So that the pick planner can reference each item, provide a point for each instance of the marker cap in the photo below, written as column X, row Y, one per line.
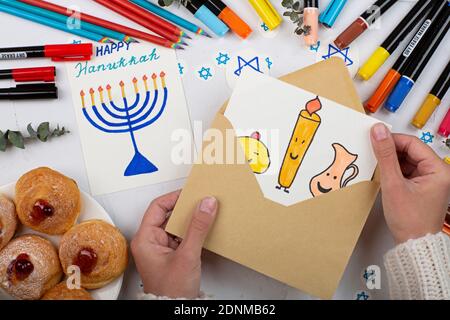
column 426, row 110
column 235, row 23
column 69, row 52
column 329, row 16
column 444, row 128
column 209, row 19
column 383, row 91
column 399, row 94
column 267, row 13
column 351, row 33
column 46, row 74
column 374, row 63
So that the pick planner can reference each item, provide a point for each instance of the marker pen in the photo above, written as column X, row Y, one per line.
column 30, row 91
column 45, row 74
column 57, row 52
column 328, row 17
column 433, row 99
column 231, row 19
column 419, row 61
column 392, row 42
column 267, row 13
column 444, row 128
column 202, row 13
column 394, row 74
column 311, row 20
column 363, row 23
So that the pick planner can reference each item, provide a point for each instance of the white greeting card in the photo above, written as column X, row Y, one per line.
column 298, row 144
column 128, row 101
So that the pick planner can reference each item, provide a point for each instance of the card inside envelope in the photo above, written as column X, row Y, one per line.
column 306, row 245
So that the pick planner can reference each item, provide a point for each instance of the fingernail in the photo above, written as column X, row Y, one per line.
column 380, row 132
column 208, row 205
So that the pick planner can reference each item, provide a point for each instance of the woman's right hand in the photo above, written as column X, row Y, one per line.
column 415, row 184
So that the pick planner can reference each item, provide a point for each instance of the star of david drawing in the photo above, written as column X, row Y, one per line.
column 242, row 63
column 264, row 26
column 427, row 137
column 362, row 296
column 205, row 73
column 269, row 63
column 333, row 51
column 315, row 48
column 223, row 58
column 369, row 276
column 180, row 68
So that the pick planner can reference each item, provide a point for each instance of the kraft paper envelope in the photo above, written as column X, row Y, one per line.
column 306, row 245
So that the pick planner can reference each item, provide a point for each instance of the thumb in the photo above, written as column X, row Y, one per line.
column 386, row 153
column 202, row 221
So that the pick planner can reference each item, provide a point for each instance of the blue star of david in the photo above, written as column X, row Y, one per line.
column 180, row 68
column 369, row 275
column 315, row 48
column 427, row 137
column 362, row 296
column 242, row 63
column 205, row 73
column 337, row 51
column 223, row 58
column 264, row 26
column 269, row 63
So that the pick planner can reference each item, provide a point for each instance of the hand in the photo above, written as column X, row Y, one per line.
column 415, row 184
column 167, row 267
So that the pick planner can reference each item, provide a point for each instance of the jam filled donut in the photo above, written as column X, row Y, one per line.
column 98, row 249
column 29, row 266
column 47, row 201
column 8, row 221
column 62, row 292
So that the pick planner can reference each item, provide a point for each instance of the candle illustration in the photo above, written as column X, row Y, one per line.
column 304, row 132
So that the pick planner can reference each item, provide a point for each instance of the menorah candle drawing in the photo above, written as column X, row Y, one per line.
column 127, row 118
column 304, row 132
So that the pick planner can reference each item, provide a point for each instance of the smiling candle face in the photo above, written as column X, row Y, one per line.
column 307, row 124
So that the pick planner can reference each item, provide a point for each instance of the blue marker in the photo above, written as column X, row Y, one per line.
column 201, row 12
column 419, row 60
column 329, row 16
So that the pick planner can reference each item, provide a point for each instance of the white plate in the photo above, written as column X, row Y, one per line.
column 90, row 209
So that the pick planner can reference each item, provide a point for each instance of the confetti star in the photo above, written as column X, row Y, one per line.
column 223, row 58
column 369, row 275
column 427, row 137
column 269, row 63
column 252, row 63
column 76, row 41
column 264, row 26
column 333, row 51
column 315, row 48
column 362, row 296
column 205, row 73
column 180, row 68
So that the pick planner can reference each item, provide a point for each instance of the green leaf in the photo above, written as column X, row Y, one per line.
column 296, row 6
column 294, row 16
column 43, row 131
column 16, row 139
column 33, row 134
column 287, row 14
column 287, row 3
column 3, row 142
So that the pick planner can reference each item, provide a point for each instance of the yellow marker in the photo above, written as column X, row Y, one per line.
column 307, row 124
column 374, row 63
column 426, row 110
column 447, row 160
column 256, row 153
column 267, row 13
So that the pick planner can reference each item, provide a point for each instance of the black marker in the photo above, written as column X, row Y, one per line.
column 30, row 91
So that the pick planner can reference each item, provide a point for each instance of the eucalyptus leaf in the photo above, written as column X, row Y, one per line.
column 287, row 3
column 16, row 139
column 3, row 141
column 43, row 131
column 296, row 6
column 33, row 134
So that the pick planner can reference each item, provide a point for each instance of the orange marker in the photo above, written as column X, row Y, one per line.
column 384, row 89
column 230, row 18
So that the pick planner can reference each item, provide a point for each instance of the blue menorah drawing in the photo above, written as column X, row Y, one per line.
column 126, row 120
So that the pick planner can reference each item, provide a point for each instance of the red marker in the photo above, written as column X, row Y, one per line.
column 57, row 52
column 45, row 74
column 444, row 128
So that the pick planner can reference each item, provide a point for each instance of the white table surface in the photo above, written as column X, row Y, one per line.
column 223, row 278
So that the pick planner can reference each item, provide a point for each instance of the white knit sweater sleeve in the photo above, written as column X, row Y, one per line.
column 420, row 269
